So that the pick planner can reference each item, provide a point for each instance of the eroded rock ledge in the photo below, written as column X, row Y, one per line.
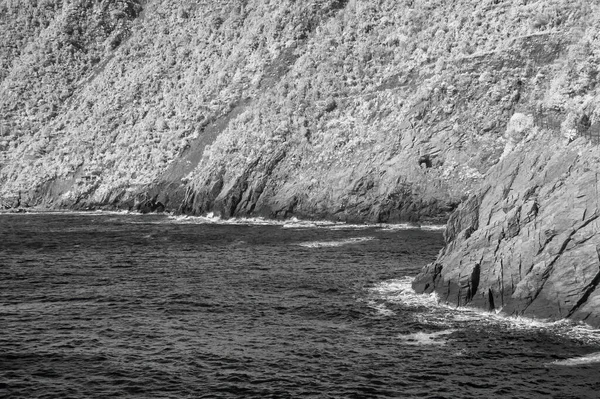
column 528, row 243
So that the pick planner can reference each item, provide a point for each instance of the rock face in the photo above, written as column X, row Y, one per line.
column 528, row 243
column 326, row 109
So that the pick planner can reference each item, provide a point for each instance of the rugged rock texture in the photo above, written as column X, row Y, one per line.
column 528, row 243
column 347, row 110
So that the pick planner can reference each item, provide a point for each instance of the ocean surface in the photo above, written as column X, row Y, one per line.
column 107, row 305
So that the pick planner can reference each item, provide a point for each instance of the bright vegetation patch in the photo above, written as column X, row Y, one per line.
column 337, row 100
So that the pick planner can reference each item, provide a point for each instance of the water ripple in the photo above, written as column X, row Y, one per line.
column 115, row 305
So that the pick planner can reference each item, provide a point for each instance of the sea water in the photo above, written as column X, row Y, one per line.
column 97, row 305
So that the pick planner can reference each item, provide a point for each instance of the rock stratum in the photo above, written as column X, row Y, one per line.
column 348, row 110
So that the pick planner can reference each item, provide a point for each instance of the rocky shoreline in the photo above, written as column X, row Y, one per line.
column 482, row 113
column 528, row 243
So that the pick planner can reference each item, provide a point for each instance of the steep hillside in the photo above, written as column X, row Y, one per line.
column 352, row 110
column 527, row 241
column 373, row 92
column 97, row 133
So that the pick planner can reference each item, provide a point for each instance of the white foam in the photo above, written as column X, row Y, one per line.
column 564, row 328
column 344, row 226
column 210, row 218
column 381, row 309
column 399, row 226
column 338, row 243
column 421, row 338
column 578, row 361
column 111, row 212
column 298, row 225
column 410, row 226
column 295, row 223
column 400, row 291
column 184, row 219
column 434, row 227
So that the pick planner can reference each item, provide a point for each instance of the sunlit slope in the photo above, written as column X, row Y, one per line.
column 342, row 109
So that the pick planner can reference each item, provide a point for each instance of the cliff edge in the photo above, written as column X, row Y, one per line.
column 528, row 243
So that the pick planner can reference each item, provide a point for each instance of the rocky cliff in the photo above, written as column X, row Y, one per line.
column 348, row 110
column 528, row 242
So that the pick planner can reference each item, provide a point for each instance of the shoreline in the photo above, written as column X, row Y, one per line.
column 292, row 222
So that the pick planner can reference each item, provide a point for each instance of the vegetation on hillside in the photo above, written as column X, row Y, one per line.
column 337, row 100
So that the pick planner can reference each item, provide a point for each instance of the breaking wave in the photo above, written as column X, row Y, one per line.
column 432, row 312
column 211, row 218
column 434, row 227
column 295, row 223
column 400, row 291
column 578, row 361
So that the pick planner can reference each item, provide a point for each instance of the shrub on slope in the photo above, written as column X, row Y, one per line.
column 339, row 100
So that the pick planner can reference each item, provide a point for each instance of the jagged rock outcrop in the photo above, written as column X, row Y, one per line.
column 528, row 243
